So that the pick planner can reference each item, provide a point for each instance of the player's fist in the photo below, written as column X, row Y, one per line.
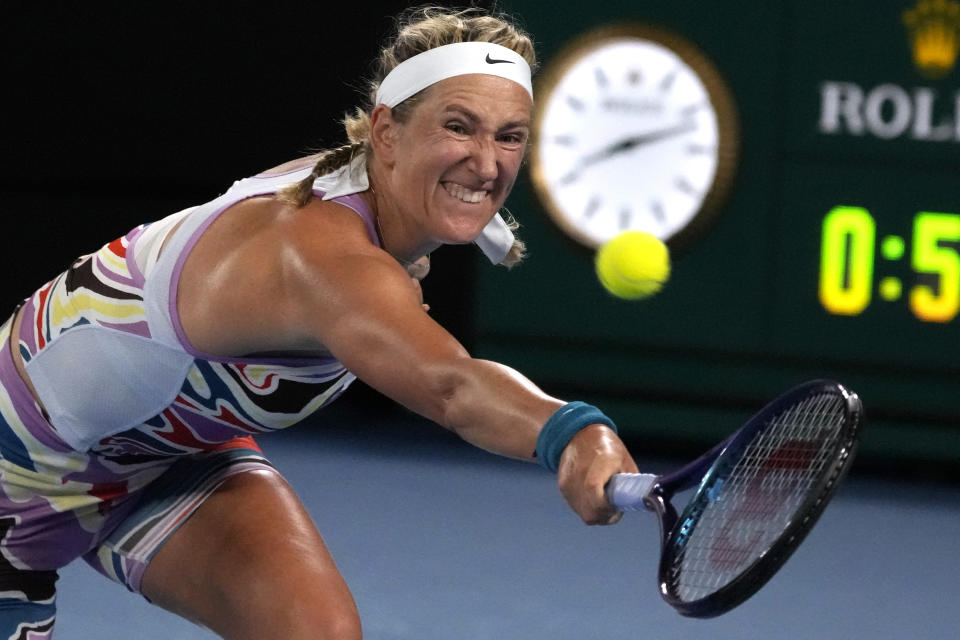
column 591, row 457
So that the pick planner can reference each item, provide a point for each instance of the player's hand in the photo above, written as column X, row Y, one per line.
column 593, row 455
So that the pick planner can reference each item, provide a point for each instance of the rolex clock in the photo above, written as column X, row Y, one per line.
column 634, row 128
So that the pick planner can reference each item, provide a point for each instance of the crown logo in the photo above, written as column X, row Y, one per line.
column 934, row 30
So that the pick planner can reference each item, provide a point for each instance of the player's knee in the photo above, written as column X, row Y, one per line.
column 344, row 626
column 306, row 619
column 300, row 605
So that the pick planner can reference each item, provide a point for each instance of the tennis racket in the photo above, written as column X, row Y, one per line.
column 760, row 492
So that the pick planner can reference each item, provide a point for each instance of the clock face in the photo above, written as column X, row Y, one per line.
column 633, row 130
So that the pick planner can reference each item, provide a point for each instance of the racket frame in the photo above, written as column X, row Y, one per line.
column 716, row 463
column 705, row 471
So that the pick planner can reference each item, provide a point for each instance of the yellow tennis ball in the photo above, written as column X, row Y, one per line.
column 633, row 265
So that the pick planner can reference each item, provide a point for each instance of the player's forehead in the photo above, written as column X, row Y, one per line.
column 482, row 98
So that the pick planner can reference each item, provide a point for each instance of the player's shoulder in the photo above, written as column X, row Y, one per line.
column 327, row 252
column 326, row 223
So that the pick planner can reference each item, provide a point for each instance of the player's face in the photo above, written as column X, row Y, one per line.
column 458, row 155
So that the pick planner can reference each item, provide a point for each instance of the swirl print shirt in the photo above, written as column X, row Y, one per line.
column 105, row 350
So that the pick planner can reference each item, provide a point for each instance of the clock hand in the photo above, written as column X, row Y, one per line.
column 626, row 145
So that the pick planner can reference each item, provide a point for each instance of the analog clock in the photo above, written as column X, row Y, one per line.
column 634, row 129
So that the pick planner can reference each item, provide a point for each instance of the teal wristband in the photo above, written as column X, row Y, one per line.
column 565, row 423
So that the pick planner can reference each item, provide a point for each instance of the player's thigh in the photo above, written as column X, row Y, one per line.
column 249, row 563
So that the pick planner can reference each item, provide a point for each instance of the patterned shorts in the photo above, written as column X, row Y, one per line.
column 27, row 597
column 57, row 504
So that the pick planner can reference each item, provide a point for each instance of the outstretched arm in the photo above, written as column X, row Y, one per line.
column 329, row 288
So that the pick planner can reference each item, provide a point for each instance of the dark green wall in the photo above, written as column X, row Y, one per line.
column 118, row 113
column 740, row 319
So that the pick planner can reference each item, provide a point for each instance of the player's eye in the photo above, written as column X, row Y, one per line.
column 514, row 137
column 456, row 127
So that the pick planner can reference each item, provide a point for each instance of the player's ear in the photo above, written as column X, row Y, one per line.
column 383, row 134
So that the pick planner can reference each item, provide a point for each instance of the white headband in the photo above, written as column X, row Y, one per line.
column 424, row 69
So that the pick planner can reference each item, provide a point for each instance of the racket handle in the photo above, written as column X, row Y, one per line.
column 626, row 491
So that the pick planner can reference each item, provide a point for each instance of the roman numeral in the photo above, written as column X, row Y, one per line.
column 701, row 149
column 656, row 207
column 667, row 81
column 601, row 78
column 592, row 206
column 575, row 103
column 691, row 109
column 684, row 186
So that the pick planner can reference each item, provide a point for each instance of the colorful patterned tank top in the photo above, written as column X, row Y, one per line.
column 104, row 347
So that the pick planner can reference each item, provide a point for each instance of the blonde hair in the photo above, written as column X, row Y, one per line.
column 418, row 29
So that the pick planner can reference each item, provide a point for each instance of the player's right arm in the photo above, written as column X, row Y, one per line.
column 359, row 303
column 311, row 280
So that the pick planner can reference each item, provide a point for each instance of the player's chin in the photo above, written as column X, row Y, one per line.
column 463, row 229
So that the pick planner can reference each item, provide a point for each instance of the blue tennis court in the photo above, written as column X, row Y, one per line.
column 441, row 541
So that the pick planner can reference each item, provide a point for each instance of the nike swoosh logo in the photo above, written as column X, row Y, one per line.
column 490, row 60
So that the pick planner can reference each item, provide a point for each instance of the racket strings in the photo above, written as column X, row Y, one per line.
column 749, row 506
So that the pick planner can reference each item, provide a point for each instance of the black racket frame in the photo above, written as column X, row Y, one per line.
column 713, row 465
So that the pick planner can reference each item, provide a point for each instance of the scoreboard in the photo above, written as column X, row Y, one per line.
column 835, row 253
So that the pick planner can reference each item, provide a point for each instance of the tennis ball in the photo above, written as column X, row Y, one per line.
column 633, row 265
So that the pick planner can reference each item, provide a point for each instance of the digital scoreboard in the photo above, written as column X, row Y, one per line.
column 836, row 252
column 850, row 247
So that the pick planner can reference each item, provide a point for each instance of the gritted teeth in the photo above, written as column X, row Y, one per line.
column 464, row 194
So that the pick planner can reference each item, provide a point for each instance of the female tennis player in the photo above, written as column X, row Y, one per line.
column 132, row 382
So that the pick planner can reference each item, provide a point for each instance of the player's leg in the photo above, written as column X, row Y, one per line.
column 223, row 541
column 250, row 564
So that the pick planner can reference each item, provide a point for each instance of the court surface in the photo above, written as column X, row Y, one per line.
column 441, row 541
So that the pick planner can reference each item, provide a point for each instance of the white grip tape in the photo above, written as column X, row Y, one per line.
column 626, row 491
